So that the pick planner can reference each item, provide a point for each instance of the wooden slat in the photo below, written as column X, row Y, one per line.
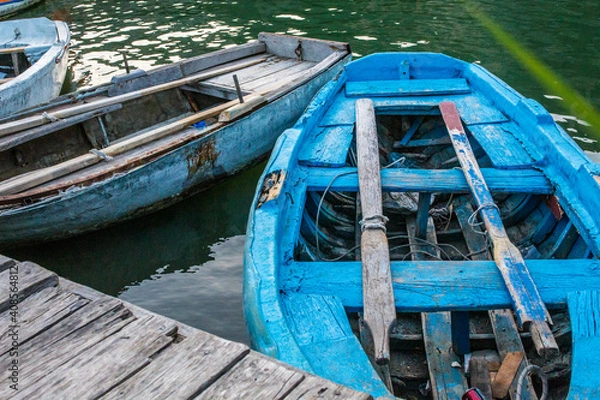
column 105, row 365
column 38, row 312
column 30, row 280
column 9, row 142
column 249, row 74
column 312, row 388
column 379, row 313
column 293, row 71
column 505, row 330
column 10, row 50
column 199, row 360
column 435, row 181
column 254, row 378
column 447, row 382
column 407, row 87
column 503, row 149
column 469, row 285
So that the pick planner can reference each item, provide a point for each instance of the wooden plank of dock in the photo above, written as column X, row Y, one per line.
column 64, row 340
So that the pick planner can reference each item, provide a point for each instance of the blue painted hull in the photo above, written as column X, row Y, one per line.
column 163, row 181
column 300, row 298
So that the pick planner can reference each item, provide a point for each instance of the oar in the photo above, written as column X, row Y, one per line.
column 41, row 119
column 35, row 178
column 529, row 307
column 379, row 312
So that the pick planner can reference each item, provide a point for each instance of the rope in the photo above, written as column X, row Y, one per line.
column 49, row 117
column 521, row 383
column 471, row 219
column 375, row 221
column 101, row 155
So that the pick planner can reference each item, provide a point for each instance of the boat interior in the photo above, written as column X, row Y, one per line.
column 140, row 116
column 437, row 220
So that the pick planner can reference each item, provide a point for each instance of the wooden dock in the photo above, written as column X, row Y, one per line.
column 64, row 340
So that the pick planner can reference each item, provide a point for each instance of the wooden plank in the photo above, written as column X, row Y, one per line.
column 39, row 119
column 105, row 365
column 293, row 71
column 407, row 87
column 503, row 149
column 506, row 374
column 239, row 110
column 313, row 388
column 22, row 280
column 469, row 285
column 506, row 334
column 6, row 263
column 379, row 313
column 38, row 312
column 327, row 146
column 479, row 374
column 527, row 302
column 255, row 377
column 447, row 382
column 584, row 310
column 246, row 75
column 9, row 50
column 198, row 361
column 9, row 142
column 435, row 181
column 311, row 49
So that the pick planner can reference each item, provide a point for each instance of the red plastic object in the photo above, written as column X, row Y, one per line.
column 473, row 394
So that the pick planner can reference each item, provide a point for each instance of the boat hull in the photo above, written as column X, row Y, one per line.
column 163, row 181
column 14, row 6
column 42, row 81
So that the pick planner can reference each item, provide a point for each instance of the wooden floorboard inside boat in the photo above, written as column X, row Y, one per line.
column 73, row 342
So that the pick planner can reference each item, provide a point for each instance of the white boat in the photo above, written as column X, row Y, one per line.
column 8, row 7
column 33, row 62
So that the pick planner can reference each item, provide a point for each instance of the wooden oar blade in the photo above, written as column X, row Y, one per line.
column 527, row 302
column 378, row 296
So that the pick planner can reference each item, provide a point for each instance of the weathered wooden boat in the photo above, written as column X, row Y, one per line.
column 421, row 218
column 33, row 62
column 148, row 139
column 9, row 7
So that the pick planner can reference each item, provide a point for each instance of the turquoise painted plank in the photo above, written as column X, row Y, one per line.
column 434, row 181
column 504, row 150
column 467, row 285
column 584, row 310
column 327, row 146
column 407, row 87
column 321, row 329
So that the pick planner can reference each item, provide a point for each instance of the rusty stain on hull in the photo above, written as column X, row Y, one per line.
column 206, row 153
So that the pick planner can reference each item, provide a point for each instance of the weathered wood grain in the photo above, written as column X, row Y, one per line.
column 407, row 87
column 31, row 278
column 38, row 312
column 6, row 262
column 447, row 382
column 379, row 313
column 436, row 181
column 312, row 388
column 327, row 146
column 106, row 364
column 584, row 310
column 527, row 302
column 254, row 378
column 505, row 330
column 198, row 360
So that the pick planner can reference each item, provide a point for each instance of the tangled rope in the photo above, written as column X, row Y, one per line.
column 521, row 383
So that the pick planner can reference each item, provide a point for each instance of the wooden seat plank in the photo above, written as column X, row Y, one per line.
column 249, row 74
column 407, row 87
column 287, row 73
column 327, row 147
column 254, row 378
column 312, row 388
column 200, row 360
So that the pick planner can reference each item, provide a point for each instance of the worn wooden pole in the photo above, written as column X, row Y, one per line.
column 529, row 307
column 378, row 296
column 40, row 119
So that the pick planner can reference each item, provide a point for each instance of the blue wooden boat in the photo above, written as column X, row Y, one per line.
column 147, row 139
column 33, row 61
column 9, row 7
column 420, row 220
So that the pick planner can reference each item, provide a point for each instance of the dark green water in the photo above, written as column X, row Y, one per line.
column 186, row 262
